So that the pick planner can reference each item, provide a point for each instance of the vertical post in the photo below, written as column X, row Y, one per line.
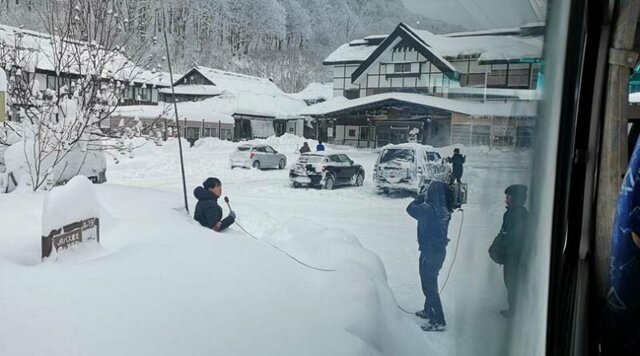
column 220, row 129
column 369, row 133
column 175, row 107
column 486, row 81
column 202, row 131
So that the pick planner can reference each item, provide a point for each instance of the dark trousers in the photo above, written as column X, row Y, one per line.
column 430, row 264
column 510, row 278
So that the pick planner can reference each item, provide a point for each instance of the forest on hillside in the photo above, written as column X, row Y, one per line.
column 285, row 40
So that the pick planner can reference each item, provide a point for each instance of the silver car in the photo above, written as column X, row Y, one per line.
column 257, row 156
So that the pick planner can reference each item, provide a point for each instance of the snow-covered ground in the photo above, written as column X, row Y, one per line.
column 159, row 284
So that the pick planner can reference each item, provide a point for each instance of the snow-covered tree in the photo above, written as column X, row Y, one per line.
column 86, row 48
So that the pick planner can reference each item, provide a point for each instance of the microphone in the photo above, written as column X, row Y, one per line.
column 226, row 200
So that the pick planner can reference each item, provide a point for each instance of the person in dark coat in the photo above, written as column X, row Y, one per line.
column 208, row 213
column 513, row 230
column 433, row 215
column 305, row 148
column 319, row 146
column 457, row 160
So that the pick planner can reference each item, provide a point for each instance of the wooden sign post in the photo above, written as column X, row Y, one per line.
column 71, row 234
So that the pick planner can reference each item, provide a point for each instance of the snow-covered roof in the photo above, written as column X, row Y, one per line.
column 350, row 53
column 194, row 90
column 192, row 111
column 509, row 109
column 634, row 98
column 237, row 82
column 38, row 52
column 490, row 45
column 315, row 91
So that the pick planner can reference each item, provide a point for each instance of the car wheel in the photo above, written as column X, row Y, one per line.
column 256, row 164
column 359, row 179
column 329, row 183
column 296, row 185
column 282, row 164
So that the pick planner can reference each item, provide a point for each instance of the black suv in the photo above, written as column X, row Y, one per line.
column 326, row 170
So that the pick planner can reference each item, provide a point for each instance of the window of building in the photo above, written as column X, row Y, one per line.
column 352, row 133
column 352, row 93
column 402, row 68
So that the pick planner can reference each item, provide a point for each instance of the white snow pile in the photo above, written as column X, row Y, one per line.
column 214, row 143
column 287, row 142
column 163, row 285
column 25, row 164
column 73, row 202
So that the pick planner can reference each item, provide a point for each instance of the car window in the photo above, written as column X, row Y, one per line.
column 431, row 156
column 244, row 148
column 268, row 149
column 397, row 154
column 334, row 158
column 261, row 149
column 344, row 158
column 310, row 159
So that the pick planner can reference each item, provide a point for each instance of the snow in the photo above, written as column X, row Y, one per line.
column 22, row 161
column 634, row 97
column 239, row 82
column 41, row 56
column 350, row 53
column 160, row 284
column 508, row 109
column 73, row 202
column 3, row 80
column 192, row 111
column 491, row 45
column 193, row 90
column 315, row 91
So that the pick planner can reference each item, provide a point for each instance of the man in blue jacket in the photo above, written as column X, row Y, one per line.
column 208, row 213
column 433, row 215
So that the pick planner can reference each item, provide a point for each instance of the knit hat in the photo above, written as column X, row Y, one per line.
column 211, row 182
column 518, row 193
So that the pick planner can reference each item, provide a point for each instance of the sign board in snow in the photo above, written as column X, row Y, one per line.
column 71, row 234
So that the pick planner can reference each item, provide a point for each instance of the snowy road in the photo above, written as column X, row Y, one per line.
column 264, row 199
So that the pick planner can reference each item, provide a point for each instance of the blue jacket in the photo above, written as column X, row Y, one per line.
column 208, row 213
column 433, row 217
column 319, row 147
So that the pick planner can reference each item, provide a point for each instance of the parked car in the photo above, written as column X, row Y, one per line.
column 407, row 166
column 257, row 156
column 326, row 170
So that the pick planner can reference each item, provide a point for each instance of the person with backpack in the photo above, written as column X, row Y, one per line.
column 305, row 148
column 433, row 214
column 457, row 160
column 506, row 248
column 208, row 213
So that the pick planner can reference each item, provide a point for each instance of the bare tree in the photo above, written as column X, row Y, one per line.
column 86, row 48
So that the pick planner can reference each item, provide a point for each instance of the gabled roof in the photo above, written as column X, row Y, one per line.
column 39, row 55
column 315, row 91
column 406, row 33
column 235, row 82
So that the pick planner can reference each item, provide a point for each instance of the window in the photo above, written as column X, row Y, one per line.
column 364, row 132
column 402, row 68
column 268, row 149
column 352, row 93
column 352, row 133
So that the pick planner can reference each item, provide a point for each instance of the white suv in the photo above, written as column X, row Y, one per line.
column 407, row 166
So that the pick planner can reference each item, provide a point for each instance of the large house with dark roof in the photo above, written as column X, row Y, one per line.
column 464, row 70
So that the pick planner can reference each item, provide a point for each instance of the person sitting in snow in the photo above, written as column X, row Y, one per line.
column 457, row 160
column 305, row 148
column 431, row 210
column 319, row 146
column 208, row 213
